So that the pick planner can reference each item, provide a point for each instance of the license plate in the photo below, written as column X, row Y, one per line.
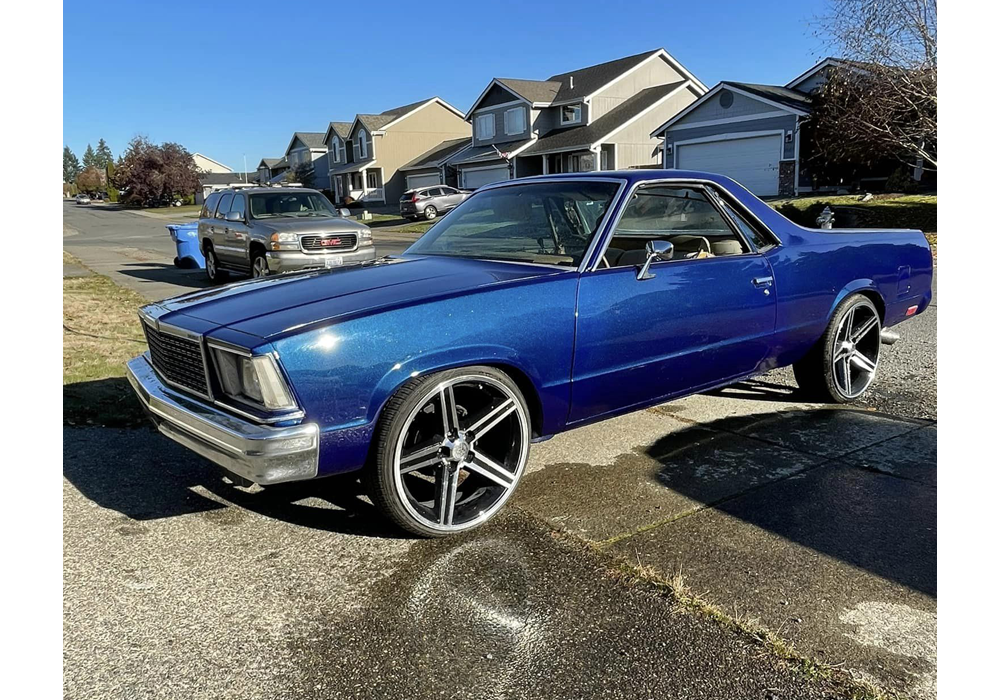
column 334, row 260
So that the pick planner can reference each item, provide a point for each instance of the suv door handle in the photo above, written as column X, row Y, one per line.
column 762, row 281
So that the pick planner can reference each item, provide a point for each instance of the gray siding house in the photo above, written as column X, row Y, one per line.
column 759, row 135
column 593, row 118
column 307, row 149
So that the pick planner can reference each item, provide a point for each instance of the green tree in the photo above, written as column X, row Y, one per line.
column 90, row 158
column 90, row 180
column 71, row 165
column 104, row 155
column 109, row 178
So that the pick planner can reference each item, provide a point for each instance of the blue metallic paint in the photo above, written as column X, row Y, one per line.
column 348, row 339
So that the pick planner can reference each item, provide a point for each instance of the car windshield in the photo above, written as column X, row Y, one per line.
column 269, row 205
column 544, row 222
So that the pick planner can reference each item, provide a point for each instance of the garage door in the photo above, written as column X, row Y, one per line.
column 471, row 179
column 415, row 181
column 752, row 162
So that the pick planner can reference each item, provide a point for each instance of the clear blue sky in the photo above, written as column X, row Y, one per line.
column 233, row 78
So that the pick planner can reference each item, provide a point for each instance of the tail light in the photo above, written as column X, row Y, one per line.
column 415, row 197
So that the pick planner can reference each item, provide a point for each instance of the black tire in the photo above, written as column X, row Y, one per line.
column 379, row 476
column 215, row 275
column 816, row 373
column 430, row 212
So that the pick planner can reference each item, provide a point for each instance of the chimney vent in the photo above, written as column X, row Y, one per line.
column 571, row 82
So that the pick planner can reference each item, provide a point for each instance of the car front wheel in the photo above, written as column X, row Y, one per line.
column 449, row 450
column 842, row 364
column 215, row 275
column 259, row 265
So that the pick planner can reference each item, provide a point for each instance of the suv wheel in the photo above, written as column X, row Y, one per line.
column 212, row 266
column 430, row 212
column 259, row 265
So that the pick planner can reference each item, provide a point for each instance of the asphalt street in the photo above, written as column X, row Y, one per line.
column 818, row 521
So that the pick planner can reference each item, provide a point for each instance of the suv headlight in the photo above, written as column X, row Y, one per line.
column 365, row 237
column 284, row 241
column 252, row 379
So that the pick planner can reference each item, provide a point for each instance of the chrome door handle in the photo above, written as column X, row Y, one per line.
column 762, row 281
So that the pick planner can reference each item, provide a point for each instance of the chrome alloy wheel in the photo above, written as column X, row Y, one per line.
column 856, row 350
column 461, row 452
column 210, row 264
column 259, row 266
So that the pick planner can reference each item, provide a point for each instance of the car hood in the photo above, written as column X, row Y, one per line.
column 271, row 307
column 330, row 224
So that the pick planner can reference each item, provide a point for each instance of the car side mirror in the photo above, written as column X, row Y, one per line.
column 234, row 216
column 346, row 213
column 655, row 252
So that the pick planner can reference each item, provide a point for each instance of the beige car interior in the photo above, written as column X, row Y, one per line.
column 683, row 216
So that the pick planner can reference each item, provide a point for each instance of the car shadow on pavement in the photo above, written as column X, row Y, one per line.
column 144, row 476
column 815, row 484
column 758, row 390
column 161, row 272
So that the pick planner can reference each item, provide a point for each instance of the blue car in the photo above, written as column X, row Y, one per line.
column 536, row 306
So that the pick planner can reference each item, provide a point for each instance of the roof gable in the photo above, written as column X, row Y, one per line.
column 384, row 120
column 777, row 96
column 305, row 139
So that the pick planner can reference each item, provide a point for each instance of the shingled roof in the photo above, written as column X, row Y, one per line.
column 437, row 155
column 584, row 136
column 776, row 93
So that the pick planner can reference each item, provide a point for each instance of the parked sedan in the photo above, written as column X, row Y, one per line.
column 429, row 202
column 82, row 199
column 538, row 305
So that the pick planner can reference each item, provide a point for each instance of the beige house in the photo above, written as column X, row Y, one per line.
column 207, row 165
column 365, row 156
column 592, row 118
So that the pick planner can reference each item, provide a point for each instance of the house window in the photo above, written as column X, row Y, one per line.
column 570, row 114
column 342, row 155
column 513, row 121
column 485, row 126
column 372, row 179
column 355, row 181
column 335, row 150
column 362, row 144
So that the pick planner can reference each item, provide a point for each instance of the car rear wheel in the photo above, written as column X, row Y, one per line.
column 450, row 449
column 430, row 212
column 842, row 365
column 215, row 275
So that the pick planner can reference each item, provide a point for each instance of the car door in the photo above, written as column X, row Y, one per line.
column 451, row 197
column 706, row 316
column 219, row 231
column 206, row 220
column 235, row 232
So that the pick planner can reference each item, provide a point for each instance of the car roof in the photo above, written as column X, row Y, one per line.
column 258, row 190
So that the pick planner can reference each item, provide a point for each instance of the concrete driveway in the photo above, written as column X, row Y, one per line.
column 818, row 523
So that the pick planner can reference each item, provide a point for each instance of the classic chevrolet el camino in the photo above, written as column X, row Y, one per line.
column 536, row 306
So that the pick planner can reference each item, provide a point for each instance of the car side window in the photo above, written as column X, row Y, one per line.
column 684, row 216
column 435, row 192
column 759, row 241
column 224, row 203
column 238, row 206
column 208, row 208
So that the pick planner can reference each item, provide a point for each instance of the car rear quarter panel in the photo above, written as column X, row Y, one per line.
column 344, row 373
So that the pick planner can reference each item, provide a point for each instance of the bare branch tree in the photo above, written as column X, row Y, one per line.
column 882, row 100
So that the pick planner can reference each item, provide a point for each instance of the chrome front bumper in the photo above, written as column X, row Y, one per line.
column 287, row 261
column 263, row 454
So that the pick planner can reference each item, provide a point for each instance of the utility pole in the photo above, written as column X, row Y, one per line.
column 245, row 169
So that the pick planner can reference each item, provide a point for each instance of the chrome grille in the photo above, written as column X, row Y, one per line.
column 341, row 241
column 178, row 359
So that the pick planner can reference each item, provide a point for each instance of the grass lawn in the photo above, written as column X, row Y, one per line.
column 884, row 211
column 397, row 223
column 100, row 333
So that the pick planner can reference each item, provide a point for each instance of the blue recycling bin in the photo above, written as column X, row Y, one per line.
column 188, row 250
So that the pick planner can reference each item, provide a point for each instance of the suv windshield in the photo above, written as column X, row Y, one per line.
column 269, row 205
column 551, row 222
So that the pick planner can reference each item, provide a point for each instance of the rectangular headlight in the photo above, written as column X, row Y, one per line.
column 255, row 380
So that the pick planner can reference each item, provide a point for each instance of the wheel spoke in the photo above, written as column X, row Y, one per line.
column 842, row 353
column 863, row 362
column 494, row 417
column 420, row 458
column 848, row 324
column 446, row 485
column 847, row 373
column 864, row 329
column 449, row 410
column 486, row 467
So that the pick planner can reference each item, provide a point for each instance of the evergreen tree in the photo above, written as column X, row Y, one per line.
column 104, row 155
column 71, row 166
column 89, row 158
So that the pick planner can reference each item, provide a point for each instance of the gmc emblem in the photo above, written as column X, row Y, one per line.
column 330, row 241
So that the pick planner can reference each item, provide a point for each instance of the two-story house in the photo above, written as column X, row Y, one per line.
column 593, row 118
column 307, row 149
column 269, row 168
column 761, row 136
column 365, row 158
